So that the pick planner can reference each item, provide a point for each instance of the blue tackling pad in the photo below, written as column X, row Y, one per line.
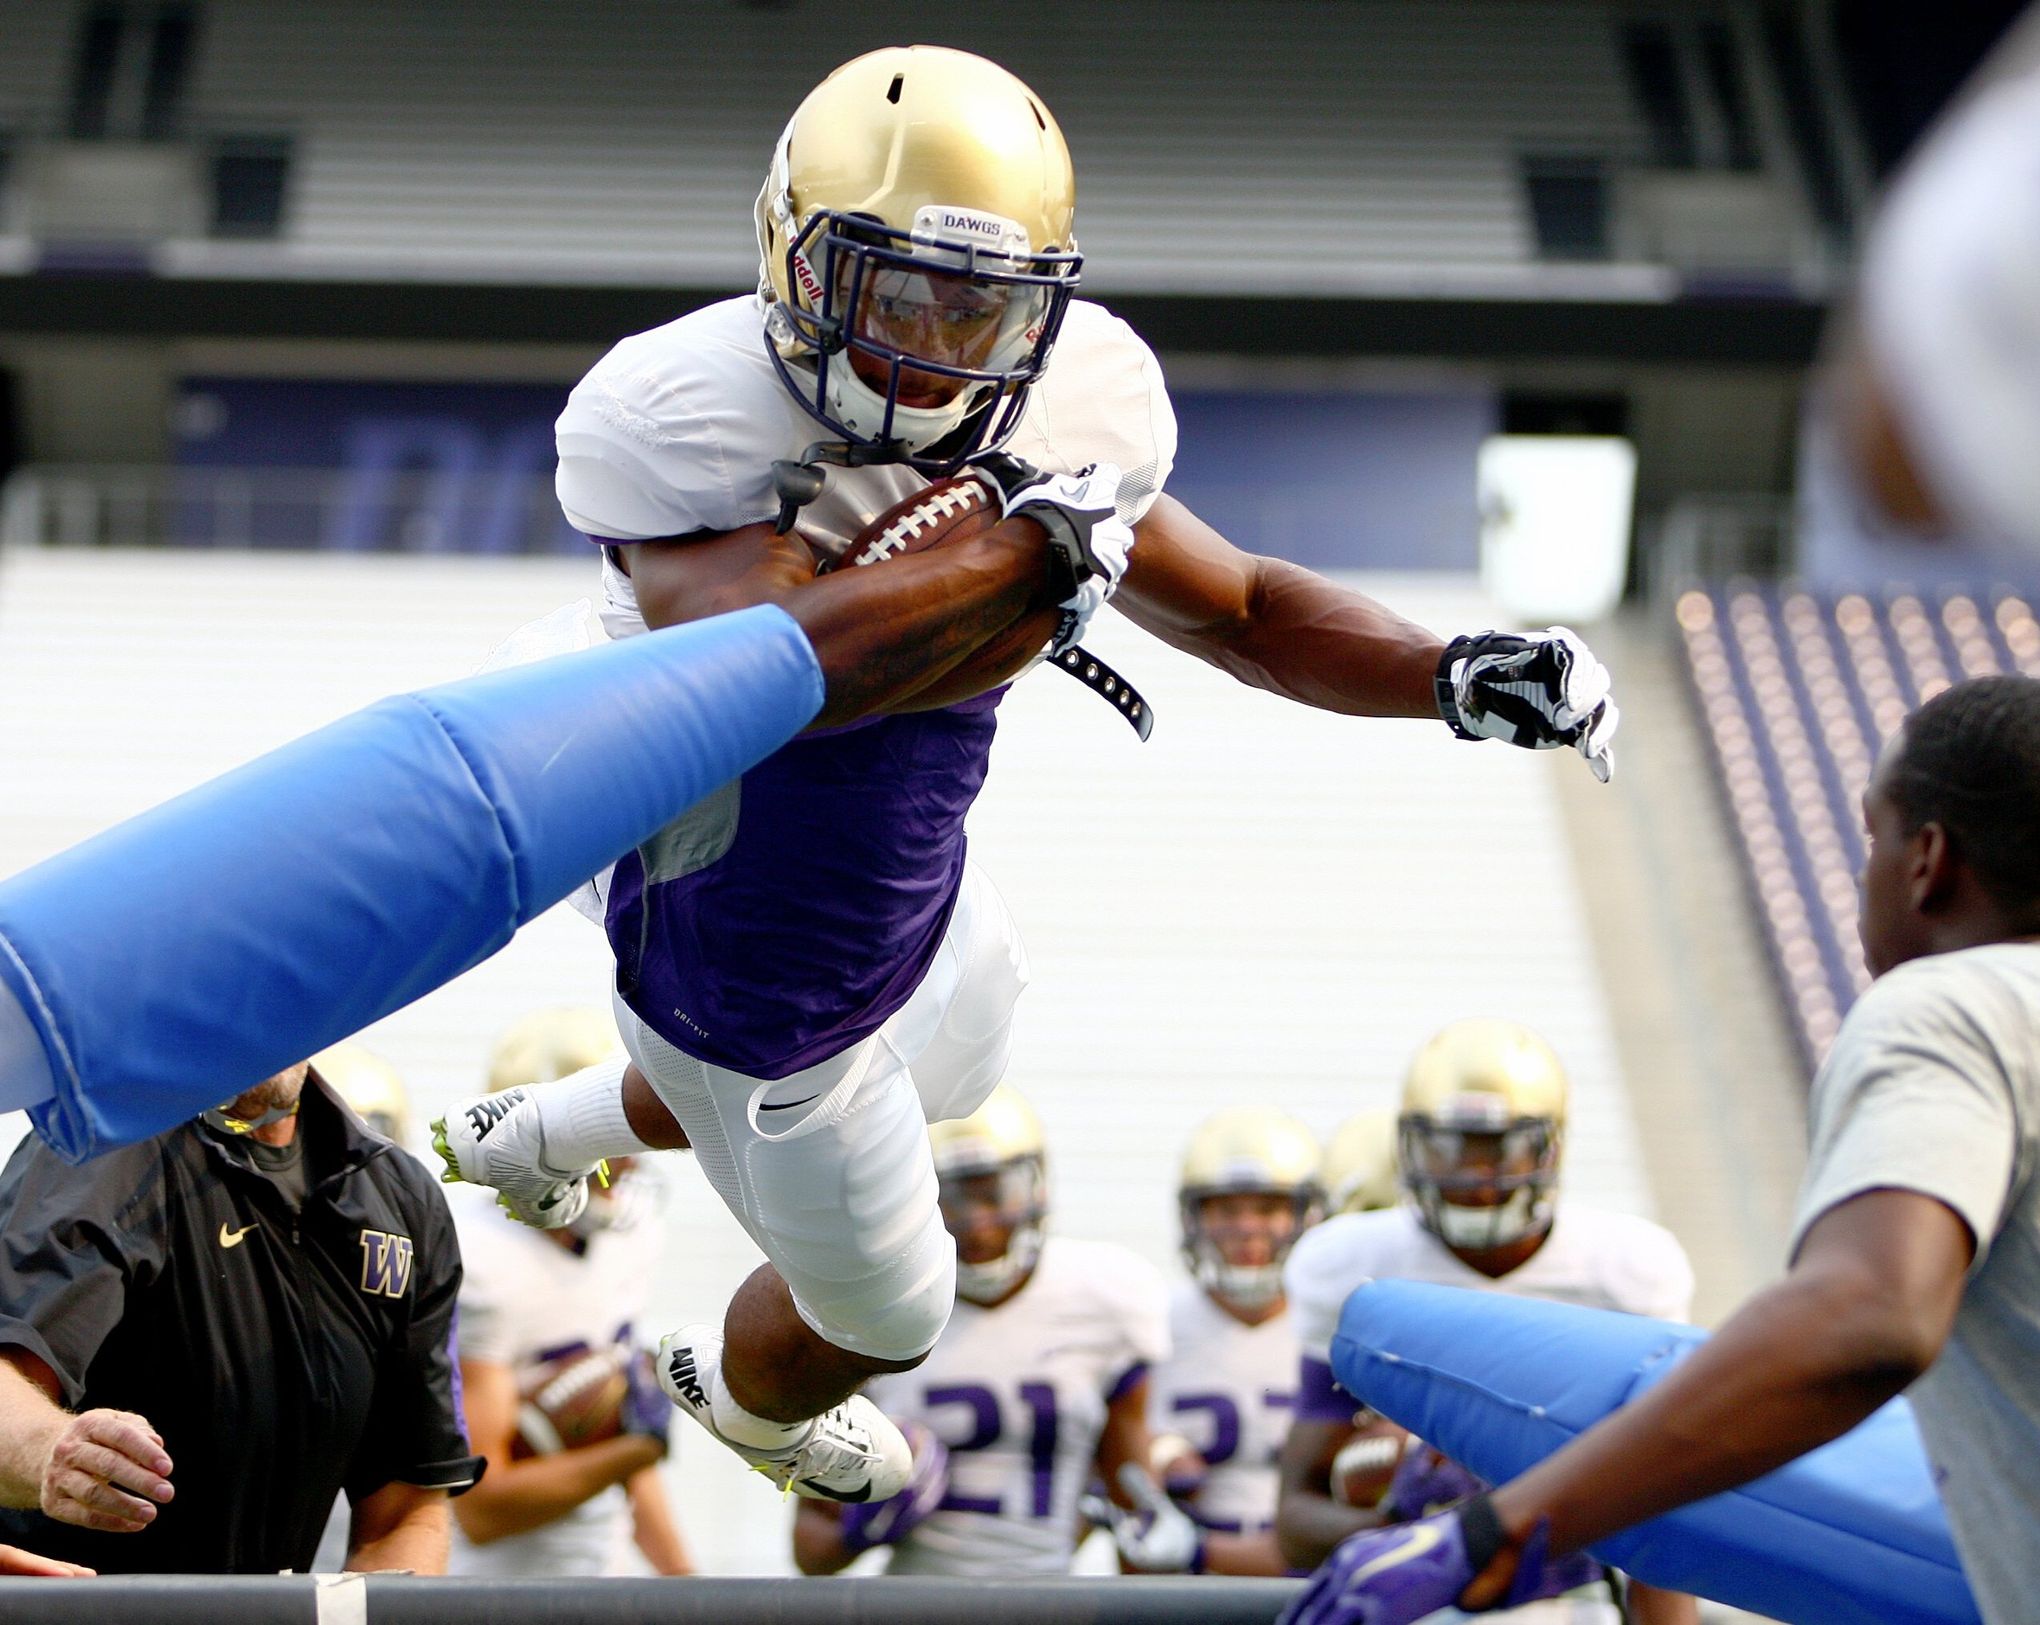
column 1852, row 1534
column 180, row 957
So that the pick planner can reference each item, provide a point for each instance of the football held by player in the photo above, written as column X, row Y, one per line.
column 1480, row 1136
column 808, row 969
column 1222, row 1400
column 1037, row 1385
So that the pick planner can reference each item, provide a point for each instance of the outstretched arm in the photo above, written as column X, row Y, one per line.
column 1273, row 624
column 1865, row 1310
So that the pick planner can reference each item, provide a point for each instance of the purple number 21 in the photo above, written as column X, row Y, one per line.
column 986, row 1427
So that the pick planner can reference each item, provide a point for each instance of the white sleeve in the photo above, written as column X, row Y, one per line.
column 1104, row 400
column 1318, row 1282
column 1656, row 1276
column 642, row 447
column 1143, row 1301
column 1915, row 1096
column 488, row 1326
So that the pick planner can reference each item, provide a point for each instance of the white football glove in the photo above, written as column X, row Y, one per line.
column 1539, row 691
column 1080, row 512
column 1155, row 1536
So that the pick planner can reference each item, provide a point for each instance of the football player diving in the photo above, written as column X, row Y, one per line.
column 1222, row 1400
column 1037, row 1384
column 1479, row 1136
column 809, row 969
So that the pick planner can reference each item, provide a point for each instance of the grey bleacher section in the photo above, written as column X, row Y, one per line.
column 1293, row 146
column 1798, row 690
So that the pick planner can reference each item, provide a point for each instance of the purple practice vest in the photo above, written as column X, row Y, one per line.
column 788, row 915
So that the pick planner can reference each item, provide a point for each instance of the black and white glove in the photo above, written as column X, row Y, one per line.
column 1089, row 544
column 1155, row 1536
column 1540, row 691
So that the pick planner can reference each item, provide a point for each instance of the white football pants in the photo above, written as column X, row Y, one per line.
column 829, row 1168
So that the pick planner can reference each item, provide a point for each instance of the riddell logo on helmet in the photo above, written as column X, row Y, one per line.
column 810, row 284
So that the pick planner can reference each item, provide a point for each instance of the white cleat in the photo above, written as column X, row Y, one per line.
column 496, row 1140
column 852, row 1452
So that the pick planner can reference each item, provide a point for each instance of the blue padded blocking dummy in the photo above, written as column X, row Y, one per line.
column 1851, row 1534
column 184, row 955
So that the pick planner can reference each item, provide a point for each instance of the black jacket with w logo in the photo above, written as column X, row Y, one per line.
column 283, row 1354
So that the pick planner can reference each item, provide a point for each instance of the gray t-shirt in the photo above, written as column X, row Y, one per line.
column 1934, row 1086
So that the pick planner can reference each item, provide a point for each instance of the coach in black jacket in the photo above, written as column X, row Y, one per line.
column 239, row 1318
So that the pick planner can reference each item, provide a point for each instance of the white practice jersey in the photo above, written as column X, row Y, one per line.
column 524, row 1297
column 676, row 430
column 1019, row 1394
column 1229, row 1389
column 1594, row 1257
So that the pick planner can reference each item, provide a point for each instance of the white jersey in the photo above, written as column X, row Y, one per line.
column 525, row 1297
column 1594, row 1257
column 1019, row 1394
column 675, row 431
column 1229, row 1389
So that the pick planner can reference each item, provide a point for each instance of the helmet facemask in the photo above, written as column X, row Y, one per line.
column 1481, row 1179
column 1248, row 1287
column 1011, row 1196
column 919, row 345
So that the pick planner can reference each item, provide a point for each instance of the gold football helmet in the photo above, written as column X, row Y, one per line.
column 1359, row 1174
column 991, row 1169
column 917, row 232
column 549, row 1044
column 369, row 1085
column 1480, row 1132
column 1246, row 1151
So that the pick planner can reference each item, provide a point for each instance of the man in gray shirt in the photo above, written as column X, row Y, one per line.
column 1916, row 1249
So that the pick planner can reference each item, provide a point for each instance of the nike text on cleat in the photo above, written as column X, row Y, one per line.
column 495, row 1140
column 852, row 1452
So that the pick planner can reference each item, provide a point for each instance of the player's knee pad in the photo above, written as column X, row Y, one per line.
column 893, row 1313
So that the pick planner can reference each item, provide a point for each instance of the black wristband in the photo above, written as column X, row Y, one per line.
column 1067, row 567
column 1443, row 691
column 1480, row 1532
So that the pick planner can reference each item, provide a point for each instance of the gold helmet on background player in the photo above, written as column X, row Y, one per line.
column 992, row 1172
column 549, row 1044
column 1359, row 1172
column 556, row 1043
column 1247, row 1152
column 369, row 1085
column 1479, row 1135
column 918, row 236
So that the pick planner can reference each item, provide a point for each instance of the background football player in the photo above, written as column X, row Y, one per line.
column 1222, row 1400
column 808, row 970
column 1480, row 1134
column 533, row 1300
column 1037, row 1385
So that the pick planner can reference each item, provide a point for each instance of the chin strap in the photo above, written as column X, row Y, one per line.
column 797, row 482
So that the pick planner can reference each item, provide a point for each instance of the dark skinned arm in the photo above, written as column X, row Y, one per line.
column 519, row 1495
column 880, row 634
column 818, row 1546
column 1275, row 625
column 1308, row 1521
column 1866, row 1308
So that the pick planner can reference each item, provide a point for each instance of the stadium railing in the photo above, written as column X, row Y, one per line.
column 406, row 1600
